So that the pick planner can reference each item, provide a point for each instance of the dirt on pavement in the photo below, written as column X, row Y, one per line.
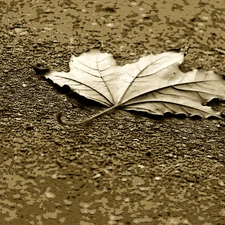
column 123, row 168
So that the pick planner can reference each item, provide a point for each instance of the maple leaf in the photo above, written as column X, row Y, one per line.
column 154, row 84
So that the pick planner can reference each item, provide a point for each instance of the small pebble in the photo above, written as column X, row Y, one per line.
column 18, row 140
column 222, row 212
column 62, row 220
column 158, row 178
column 221, row 183
column 16, row 196
column 97, row 176
column 67, row 202
column 49, row 195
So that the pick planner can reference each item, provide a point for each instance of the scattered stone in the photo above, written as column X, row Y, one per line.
column 97, row 176
column 67, row 202
column 137, row 181
column 221, row 183
column 16, row 196
column 18, row 140
column 158, row 178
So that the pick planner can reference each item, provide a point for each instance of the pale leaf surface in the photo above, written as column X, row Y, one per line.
column 153, row 84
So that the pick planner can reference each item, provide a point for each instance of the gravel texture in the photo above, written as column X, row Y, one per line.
column 123, row 168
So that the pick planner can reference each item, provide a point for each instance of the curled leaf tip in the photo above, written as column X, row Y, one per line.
column 40, row 69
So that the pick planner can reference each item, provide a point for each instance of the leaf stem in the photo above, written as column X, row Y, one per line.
column 68, row 123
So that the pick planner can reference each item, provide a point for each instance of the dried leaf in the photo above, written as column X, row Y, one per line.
column 154, row 84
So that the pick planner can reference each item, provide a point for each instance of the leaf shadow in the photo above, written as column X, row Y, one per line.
column 84, row 103
column 76, row 99
column 157, row 117
column 169, row 115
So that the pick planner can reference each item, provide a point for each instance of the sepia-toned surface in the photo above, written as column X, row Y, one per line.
column 123, row 168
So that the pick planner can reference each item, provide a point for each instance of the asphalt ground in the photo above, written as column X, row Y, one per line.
column 123, row 168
